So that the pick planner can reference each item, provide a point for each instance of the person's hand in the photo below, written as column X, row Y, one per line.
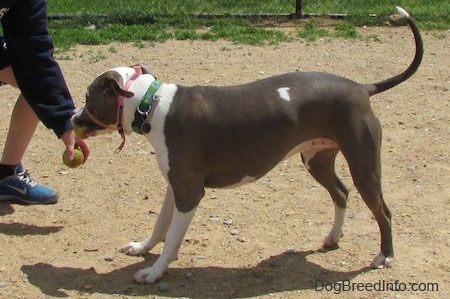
column 72, row 142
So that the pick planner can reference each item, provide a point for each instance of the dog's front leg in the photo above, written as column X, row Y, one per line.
column 178, row 227
column 160, row 230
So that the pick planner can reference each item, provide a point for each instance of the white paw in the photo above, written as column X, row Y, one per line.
column 134, row 248
column 332, row 239
column 380, row 261
column 149, row 275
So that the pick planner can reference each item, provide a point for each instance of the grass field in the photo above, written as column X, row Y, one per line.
column 171, row 7
column 157, row 20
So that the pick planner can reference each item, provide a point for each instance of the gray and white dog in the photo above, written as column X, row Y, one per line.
column 210, row 136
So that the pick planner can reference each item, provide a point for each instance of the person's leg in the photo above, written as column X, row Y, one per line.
column 22, row 125
column 21, row 129
column 9, row 159
column 15, row 183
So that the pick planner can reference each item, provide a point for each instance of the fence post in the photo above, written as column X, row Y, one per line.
column 298, row 8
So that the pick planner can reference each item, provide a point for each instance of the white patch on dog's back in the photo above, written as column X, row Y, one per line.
column 156, row 137
column 284, row 93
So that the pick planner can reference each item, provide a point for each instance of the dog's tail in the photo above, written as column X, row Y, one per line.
column 393, row 81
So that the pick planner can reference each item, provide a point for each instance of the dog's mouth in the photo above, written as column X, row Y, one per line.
column 84, row 126
column 85, row 132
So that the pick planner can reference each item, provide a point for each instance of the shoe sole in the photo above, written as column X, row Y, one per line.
column 15, row 199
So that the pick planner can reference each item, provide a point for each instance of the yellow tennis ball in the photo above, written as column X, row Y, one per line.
column 79, row 132
column 78, row 158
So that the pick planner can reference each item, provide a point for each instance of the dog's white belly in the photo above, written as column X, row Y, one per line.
column 314, row 145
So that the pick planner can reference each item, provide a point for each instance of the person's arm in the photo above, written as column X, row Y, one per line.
column 37, row 73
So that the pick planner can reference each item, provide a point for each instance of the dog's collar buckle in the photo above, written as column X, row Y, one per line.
column 145, row 109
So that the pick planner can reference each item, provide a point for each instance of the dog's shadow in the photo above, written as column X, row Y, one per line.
column 289, row 271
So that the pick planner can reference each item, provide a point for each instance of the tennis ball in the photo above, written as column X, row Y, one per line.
column 78, row 158
column 79, row 132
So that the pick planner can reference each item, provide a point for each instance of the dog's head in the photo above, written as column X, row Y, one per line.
column 102, row 111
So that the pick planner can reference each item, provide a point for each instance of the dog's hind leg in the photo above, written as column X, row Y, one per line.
column 160, row 230
column 363, row 157
column 320, row 164
column 369, row 186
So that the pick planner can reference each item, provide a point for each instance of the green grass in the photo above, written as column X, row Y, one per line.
column 311, row 31
column 241, row 31
column 103, row 22
column 431, row 13
column 172, row 7
column 237, row 31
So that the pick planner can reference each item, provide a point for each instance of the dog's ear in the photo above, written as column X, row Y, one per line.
column 146, row 69
column 111, row 86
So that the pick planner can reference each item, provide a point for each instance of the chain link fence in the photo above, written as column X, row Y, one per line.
column 375, row 9
column 367, row 11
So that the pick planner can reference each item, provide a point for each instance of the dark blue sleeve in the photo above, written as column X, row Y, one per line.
column 40, row 79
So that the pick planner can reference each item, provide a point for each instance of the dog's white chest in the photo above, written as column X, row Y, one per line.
column 156, row 136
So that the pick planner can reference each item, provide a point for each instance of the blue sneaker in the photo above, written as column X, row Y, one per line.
column 21, row 187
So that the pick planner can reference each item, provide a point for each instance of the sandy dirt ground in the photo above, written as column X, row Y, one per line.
column 260, row 240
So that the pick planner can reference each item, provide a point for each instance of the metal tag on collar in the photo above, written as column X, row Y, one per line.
column 146, row 128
